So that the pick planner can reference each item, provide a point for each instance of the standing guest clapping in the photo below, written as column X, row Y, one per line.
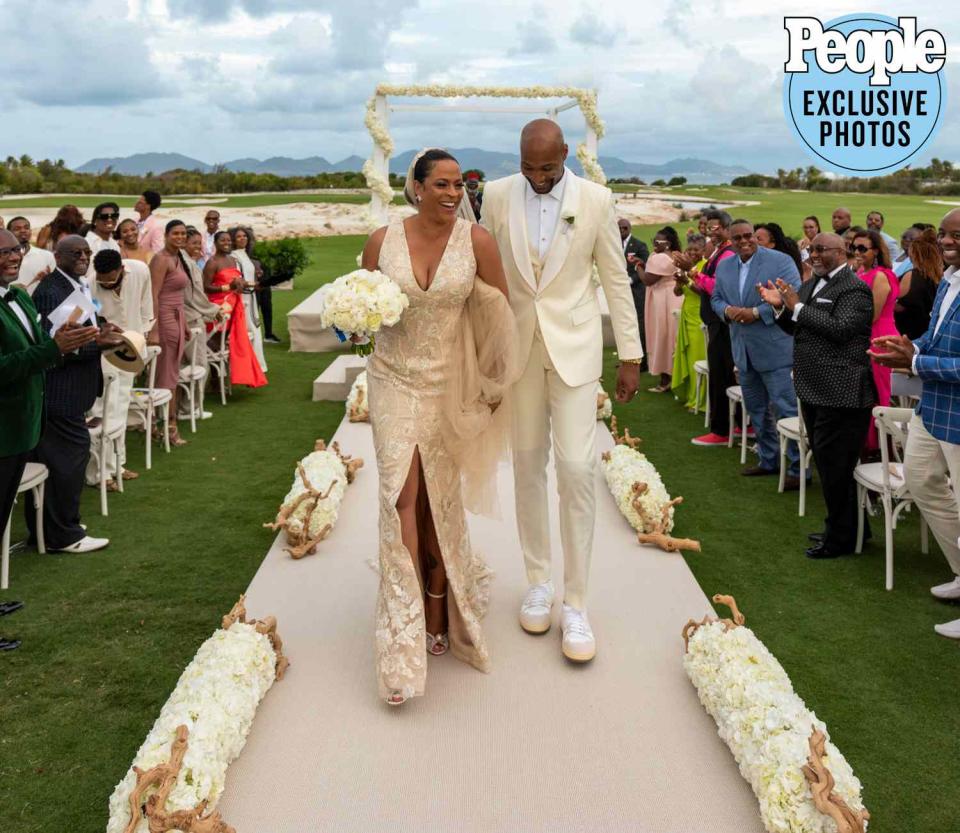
column 128, row 238
column 242, row 239
column 932, row 458
column 660, row 322
column 71, row 390
column 636, row 253
column 830, row 320
column 169, row 279
column 918, row 285
column 150, row 227
column 100, row 236
column 35, row 263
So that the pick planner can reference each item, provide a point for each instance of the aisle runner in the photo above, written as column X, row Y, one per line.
column 536, row 745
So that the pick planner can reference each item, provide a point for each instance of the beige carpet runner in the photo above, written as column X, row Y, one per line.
column 537, row 745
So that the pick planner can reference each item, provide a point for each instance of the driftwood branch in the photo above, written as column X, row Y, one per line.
column 821, row 789
column 162, row 779
column 267, row 626
column 625, row 438
column 693, row 625
column 659, row 537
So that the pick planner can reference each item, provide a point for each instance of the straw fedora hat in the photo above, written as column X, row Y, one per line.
column 130, row 356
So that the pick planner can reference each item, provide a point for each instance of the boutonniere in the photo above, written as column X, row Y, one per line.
column 568, row 221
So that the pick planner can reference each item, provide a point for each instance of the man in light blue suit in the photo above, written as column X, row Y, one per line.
column 762, row 352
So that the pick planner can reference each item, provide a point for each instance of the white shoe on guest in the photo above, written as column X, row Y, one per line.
column 536, row 607
column 85, row 544
column 951, row 630
column 950, row 590
column 578, row 643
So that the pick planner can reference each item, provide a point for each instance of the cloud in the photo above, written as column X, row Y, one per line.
column 535, row 35
column 588, row 30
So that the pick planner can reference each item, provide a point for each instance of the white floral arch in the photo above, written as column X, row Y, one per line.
column 376, row 168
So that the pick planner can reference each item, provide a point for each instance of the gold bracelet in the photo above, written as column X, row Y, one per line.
column 631, row 361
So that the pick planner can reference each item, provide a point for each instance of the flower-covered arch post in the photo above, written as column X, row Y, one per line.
column 376, row 169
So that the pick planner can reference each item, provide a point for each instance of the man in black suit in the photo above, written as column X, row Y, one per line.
column 830, row 321
column 70, row 391
column 636, row 253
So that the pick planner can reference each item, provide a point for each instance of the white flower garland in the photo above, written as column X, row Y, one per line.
column 587, row 99
column 648, row 509
column 311, row 507
column 767, row 727
column 216, row 698
column 604, row 403
column 358, row 405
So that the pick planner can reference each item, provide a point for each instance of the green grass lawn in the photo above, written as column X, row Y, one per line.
column 9, row 204
column 107, row 634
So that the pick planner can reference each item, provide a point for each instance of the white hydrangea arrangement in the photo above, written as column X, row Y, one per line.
column 801, row 780
column 604, row 403
column 641, row 497
column 214, row 704
column 310, row 509
column 359, row 304
column 358, row 406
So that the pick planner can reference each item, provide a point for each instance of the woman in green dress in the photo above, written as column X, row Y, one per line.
column 690, row 343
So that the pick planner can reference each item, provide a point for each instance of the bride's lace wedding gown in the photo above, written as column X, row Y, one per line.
column 408, row 375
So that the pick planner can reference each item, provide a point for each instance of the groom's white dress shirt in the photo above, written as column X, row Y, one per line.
column 543, row 213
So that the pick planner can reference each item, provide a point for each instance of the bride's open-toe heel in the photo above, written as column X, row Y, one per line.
column 439, row 644
column 396, row 698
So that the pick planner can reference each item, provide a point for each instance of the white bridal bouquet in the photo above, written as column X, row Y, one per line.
column 310, row 509
column 802, row 781
column 358, row 406
column 358, row 304
column 213, row 705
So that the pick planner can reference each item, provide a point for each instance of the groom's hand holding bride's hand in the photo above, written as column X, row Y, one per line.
column 628, row 381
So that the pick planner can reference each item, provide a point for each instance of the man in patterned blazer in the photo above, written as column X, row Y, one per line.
column 830, row 320
column 932, row 457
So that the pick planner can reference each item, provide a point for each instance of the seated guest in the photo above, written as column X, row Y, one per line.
column 197, row 307
column 918, row 286
column 660, row 323
column 68, row 220
column 35, row 263
column 872, row 262
column 128, row 239
column 126, row 300
column 100, row 236
column 636, row 253
column 762, row 351
column 70, row 392
column 26, row 353
column 690, row 347
column 932, row 457
column 149, row 226
column 830, row 320
column 224, row 284
column 875, row 223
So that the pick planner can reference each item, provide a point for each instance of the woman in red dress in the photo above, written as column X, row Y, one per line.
column 223, row 282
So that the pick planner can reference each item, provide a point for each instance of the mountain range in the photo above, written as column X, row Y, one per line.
column 493, row 163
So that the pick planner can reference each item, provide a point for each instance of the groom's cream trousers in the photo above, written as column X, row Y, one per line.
column 544, row 403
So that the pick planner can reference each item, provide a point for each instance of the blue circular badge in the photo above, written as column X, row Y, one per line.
column 863, row 100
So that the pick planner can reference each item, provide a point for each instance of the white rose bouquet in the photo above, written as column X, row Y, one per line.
column 358, row 304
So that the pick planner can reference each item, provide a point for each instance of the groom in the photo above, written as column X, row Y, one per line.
column 551, row 226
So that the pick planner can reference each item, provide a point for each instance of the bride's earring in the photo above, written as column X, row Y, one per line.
column 419, row 198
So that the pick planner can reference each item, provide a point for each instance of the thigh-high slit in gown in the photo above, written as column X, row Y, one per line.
column 408, row 375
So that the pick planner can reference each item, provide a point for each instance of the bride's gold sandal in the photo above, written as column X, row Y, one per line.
column 437, row 645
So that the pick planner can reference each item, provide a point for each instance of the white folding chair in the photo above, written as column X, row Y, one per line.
column 106, row 438
column 144, row 403
column 219, row 362
column 905, row 389
column 193, row 376
column 32, row 480
column 702, row 370
column 735, row 395
column 793, row 429
column 886, row 479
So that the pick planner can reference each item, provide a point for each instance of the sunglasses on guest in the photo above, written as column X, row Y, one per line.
column 861, row 249
column 111, row 216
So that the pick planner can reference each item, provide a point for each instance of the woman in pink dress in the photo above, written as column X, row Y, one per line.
column 872, row 260
column 168, row 277
column 661, row 314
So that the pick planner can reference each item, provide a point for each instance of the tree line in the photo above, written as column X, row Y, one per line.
column 939, row 177
column 24, row 175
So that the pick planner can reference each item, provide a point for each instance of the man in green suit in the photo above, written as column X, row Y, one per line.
column 26, row 352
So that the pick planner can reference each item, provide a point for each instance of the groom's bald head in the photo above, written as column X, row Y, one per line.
column 542, row 154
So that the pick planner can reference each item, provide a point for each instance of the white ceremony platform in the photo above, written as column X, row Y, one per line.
column 538, row 745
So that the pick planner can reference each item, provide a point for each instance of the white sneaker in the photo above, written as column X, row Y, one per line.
column 536, row 607
column 85, row 544
column 951, row 630
column 950, row 590
column 206, row 414
column 578, row 643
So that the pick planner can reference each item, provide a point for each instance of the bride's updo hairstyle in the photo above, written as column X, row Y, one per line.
column 421, row 170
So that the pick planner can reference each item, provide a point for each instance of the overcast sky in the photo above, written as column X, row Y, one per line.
column 221, row 79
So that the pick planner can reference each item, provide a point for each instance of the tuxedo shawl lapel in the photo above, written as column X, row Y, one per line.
column 518, row 231
column 13, row 323
column 566, row 229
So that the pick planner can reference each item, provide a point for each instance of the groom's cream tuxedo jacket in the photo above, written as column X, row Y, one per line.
column 564, row 299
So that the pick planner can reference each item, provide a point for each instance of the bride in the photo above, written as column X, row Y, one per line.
column 436, row 385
